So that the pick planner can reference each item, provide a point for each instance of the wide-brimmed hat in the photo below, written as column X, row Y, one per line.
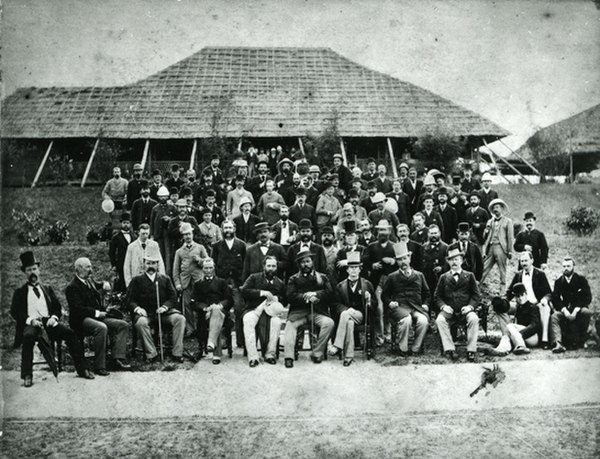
column 125, row 216
column 285, row 161
column 152, row 253
column 383, row 224
column 245, row 200
column 348, row 206
column 443, row 190
column 486, row 177
column 314, row 168
column 497, row 201
column 476, row 194
column 186, row 227
column 303, row 254
column 261, row 226
column 327, row 230
column 529, row 215
column 181, row 202
column 500, row 305
column 403, row 165
column 401, row 250
column 305, row 223
column 464, row 227
column 354, row 258
column 427, row 196
column 378, row 197
column 28, row 259
column 429, row 180
column 454, row 251
column 338, row 155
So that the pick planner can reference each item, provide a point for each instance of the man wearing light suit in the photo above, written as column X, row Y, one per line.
column 498, row 243
column 134, row 258
column 187, row 269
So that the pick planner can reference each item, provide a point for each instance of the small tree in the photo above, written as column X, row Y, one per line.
column 439, row 149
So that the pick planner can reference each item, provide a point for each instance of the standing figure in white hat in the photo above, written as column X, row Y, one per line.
column 499, row 235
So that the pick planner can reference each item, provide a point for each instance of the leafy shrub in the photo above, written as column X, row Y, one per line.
column 58, row 232
column 95, row 235
column 29, row 226
column 439, row 149
column 583, row 220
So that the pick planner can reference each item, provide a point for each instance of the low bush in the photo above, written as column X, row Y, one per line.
column 583, row 220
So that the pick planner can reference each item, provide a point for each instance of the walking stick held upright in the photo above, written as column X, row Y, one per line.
column 160, row 335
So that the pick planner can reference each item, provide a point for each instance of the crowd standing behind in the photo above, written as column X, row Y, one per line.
column 277, row 240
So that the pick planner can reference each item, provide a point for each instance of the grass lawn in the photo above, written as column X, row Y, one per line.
column 520, row 433
column 81, row 208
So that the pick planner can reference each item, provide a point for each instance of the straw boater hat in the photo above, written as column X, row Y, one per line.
column 403, row 165
column 152, row 253
column 245, row 200
column 185, row 228
column 261, row 226
column 497, row 201
column 314, row 168
column 354, row 258
column 383, row 224
column 28, row 259
column 454, row 251
column 401, row 250
column 486, row 177
column 379, row 197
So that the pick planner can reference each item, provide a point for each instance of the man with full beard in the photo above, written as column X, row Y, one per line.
column 305, row 231
column 434, row 257
column 161, row 215
column 380, row 262
column 285, row 230
column 151, row 296
column 330, row 249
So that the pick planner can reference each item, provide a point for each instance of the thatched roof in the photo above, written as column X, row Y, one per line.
column 581, row 132
column 256, row 92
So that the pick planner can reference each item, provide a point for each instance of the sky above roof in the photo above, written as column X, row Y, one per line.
column 522, row 64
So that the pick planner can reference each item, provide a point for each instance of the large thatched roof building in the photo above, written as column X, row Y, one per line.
column 253, row 93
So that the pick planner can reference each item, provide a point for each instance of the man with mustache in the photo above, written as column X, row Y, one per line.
column 533, row 240
column 141, row 209
column 499, row 234
column 255, row 254
column 161, row 215
column 134, row 257
column 330, row 248
column 36, row 310
column 134, row 186
column 151, row 296
column 116, row 188
column 305, row 232
column 434, row 257
column 285, row 230
column 117, row 250
column 477, row 217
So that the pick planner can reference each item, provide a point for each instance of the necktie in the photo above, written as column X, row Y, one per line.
column 455, row 276
column 463, row 248
column 143, row 246
column 283, row 225
column 36, row 291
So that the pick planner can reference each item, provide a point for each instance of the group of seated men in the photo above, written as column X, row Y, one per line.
column 328, row 251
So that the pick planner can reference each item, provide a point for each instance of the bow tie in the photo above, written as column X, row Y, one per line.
column 283, row 225
column 189, row 247
column 208, row 279
column 497, row 219
column 264, row 245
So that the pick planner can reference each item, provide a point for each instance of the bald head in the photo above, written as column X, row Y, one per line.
column 83, row 267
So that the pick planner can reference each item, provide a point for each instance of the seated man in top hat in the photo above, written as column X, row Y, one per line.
column 36, row 310
column 571, row 298
column 151, row 296
column 212, row 299
column 264, row 293
column 355, row 299
column 88, row 317
column 526, row 331
column 309, row 293
column 456, row 297
column 350, row 244
column 407, row 297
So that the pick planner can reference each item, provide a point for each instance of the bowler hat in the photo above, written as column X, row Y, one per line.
column 456, row 180
column 474, row 193
column 464, row 227
column 327, row 230
column 383, row 224
column 300, row 191
column 500, row 305
column 181, row 202
column 28, row 259
column 125, row 217
column 173, row 190
column 305, row 223
column 529, row 215
column 428, row 196
column 261, row 226
column 454, row 251
column 137, row 167
column 443, row 190
column 215, row 156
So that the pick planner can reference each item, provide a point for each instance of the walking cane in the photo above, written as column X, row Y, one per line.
column 160, row 336
column 312, row 326
column 366, row 301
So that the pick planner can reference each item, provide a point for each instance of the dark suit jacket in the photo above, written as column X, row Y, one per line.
column 255, row 283
column 229, row 263
column 455, row 294
column 140, row 212
column 384, row 187
column 83, row 302
column 478, row 216
column 536, row 239
column 142, row 292
column 253, row 263
column 342, row 273
column 413, row 193
column 245, row 230
column 469, row 185
column 299, row 284
column 307, row 211
column 374, row 254
column 205, row 293
column 217, row 175
column 539, row 282
column 117, row 250
column 343, row 300
column 404, row 210
column 486, row 198
column 319, row 260
column 434, row 218
column 576, row 294
column 175, row 235
column 416, row 259
column 276, row 228
column 473, row 261
column 450, row 220
column 18, row 308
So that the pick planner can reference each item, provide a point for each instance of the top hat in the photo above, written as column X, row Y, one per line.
column 28, row 259
column 519, row 289
column 354, row 258
column 401, row 250
column 125, row 216
column 152, row 253
column 349, row 226
column 529, row 215
column 443, row 190
column 497, row 201
column 454, row 251
column 467, row 167
column 305, row 223
column 456, row 180
column 186, row 227
column 464, row 227
column 144, row 184
column 261, row 226
column 500, row 305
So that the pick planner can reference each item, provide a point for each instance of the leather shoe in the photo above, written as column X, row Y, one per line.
column 348, row 362
column 316, row 359
column 451, row 355
column 28, row 382
column 216, row 360
column 558, row 349
column 271, row 360
column 177, row 358
column 520, row 350
column 120, row 364
column 101, row 372
column 87, row 374
column 253, row 363
column 545, row 345
column 471, row 356
column 154, row 359
column 289, row 363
